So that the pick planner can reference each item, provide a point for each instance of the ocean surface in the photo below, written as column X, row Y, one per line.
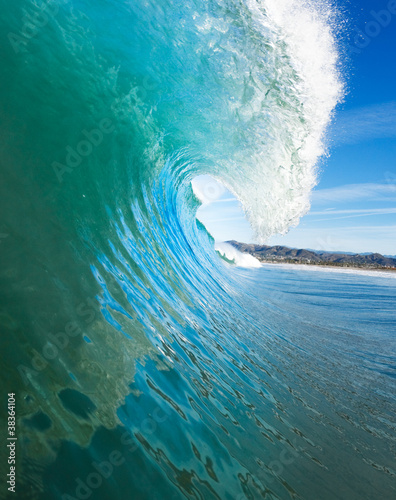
column 143, row 365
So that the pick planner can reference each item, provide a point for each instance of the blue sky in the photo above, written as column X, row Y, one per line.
column 354, row 204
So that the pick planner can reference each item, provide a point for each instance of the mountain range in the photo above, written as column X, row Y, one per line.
column 278, row 253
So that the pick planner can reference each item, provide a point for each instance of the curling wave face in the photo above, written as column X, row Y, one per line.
column 117, row 316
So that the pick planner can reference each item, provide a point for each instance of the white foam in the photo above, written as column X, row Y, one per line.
column 240, row 259
column 288, row 115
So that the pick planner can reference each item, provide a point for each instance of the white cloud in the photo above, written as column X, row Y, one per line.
column 226, row 200
column 391, row 230
column 354, row 192
column 350, row 214
column 358, row 211
column 361, row 124
column 357, row 239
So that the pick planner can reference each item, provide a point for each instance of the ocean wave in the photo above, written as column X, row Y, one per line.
column 118, row 316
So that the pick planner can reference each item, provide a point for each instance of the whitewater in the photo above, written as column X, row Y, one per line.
column 144, row 365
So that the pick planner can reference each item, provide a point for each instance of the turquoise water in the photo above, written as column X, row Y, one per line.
column 288, row 395
column 144, row 366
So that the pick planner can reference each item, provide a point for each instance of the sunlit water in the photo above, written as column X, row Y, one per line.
column 289, row 395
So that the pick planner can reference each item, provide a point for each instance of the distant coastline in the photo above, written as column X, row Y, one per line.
column 285, row 255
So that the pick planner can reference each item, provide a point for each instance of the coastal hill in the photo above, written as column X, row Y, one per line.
column 283, row 254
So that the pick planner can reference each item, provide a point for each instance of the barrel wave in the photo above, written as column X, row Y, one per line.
column 144, row 366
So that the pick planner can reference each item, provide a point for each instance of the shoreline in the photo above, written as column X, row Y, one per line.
column 279, row 254
column 324, row 266
column 345, row 270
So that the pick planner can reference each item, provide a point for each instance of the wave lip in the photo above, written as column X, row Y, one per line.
column 109, row 257
column 288, row 103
